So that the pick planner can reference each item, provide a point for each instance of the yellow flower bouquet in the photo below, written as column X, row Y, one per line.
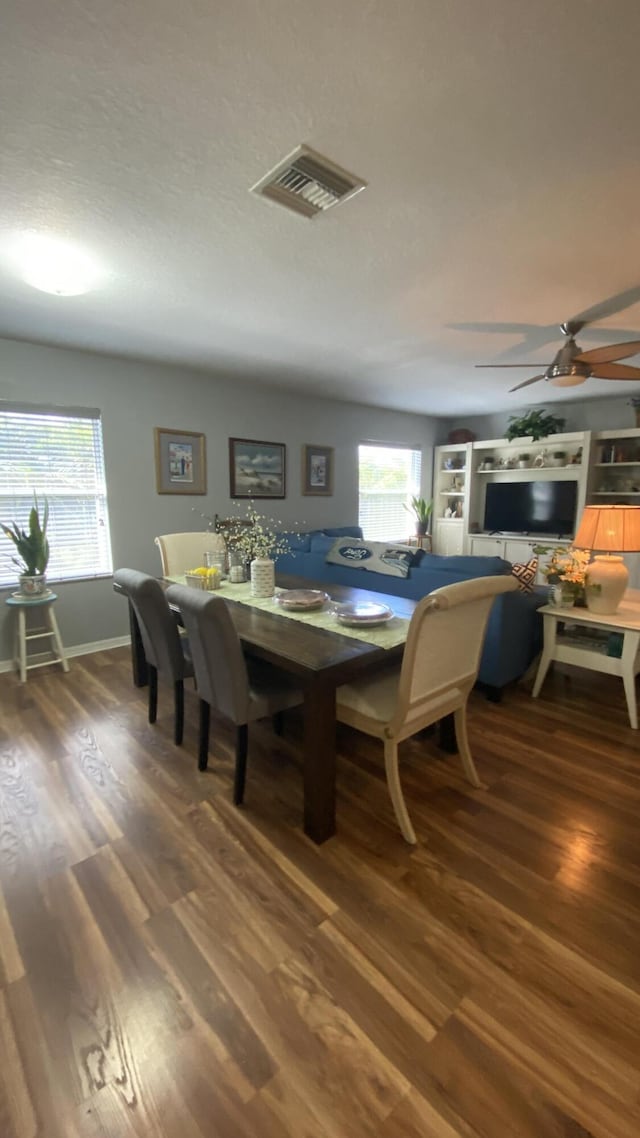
column 568, row 568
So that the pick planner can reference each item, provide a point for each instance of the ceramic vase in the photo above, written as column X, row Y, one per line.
column 33, row 586
column 263, row 577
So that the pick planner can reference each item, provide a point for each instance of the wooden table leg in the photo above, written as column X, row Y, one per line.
column 319, row 772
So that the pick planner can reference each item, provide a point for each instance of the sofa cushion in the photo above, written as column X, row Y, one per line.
column 466, row 566
column 376, row 556
column 343, row 531
column 296, row 542
column 525, row 574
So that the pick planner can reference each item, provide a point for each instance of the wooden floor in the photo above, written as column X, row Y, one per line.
column 171, row 966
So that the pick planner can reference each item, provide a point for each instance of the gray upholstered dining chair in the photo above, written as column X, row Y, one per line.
column 166, row 652
column 240, row 690
column 439, row 668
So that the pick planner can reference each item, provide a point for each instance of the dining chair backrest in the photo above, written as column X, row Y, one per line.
column 444, row 643
column 158, row 628
column 219, row 664
column 180, row 552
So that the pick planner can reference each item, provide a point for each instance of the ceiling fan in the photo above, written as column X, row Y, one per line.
column 571, row 366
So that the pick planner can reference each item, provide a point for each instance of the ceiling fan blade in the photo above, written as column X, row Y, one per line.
column 610, row 352
column 616, row 371
column 491, row 326
column 506, row 365
column 608, row 307
column 534, row 379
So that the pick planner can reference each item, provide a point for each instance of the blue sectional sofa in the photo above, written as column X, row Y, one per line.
column 514, row 631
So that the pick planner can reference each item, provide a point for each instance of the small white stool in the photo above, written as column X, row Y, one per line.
column 47, row 631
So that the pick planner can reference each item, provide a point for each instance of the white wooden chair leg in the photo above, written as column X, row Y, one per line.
column 462, row 739
column 55, row 633
column 395, row 790
column 22, row 645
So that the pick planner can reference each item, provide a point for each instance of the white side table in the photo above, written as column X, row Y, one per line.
column 47, row 631
column 562, row 646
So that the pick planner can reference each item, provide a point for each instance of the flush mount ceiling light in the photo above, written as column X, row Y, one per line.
column 53, row 265
column 308, row 183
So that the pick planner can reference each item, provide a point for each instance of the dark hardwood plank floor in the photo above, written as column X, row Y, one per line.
column 172, row 967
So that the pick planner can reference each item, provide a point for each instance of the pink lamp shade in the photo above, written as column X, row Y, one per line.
column 612, row 530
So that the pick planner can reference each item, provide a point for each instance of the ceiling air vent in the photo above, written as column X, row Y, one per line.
column 308, row 183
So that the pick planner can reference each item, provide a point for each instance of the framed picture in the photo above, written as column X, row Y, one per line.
column 256, row 469
column 317, row 469
column 181, row 464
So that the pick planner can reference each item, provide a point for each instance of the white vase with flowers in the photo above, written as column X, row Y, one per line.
column 258, row 540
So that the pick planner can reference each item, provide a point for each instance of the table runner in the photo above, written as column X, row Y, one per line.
column 385, row 636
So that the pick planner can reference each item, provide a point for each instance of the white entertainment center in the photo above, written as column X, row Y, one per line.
column 604, row 465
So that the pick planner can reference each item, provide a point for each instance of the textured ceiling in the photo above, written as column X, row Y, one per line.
column 499, row 140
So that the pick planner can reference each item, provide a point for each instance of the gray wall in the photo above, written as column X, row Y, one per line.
column 587, row 415
column 136, row 397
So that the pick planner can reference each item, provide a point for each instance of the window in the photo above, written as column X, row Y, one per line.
column 56, row 452
column 388, row 478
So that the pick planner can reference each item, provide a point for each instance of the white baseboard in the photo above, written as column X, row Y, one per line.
column 79, row 650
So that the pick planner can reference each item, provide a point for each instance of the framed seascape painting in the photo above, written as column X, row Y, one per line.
column 181, row 465
column 256, row 469
column 317, row 469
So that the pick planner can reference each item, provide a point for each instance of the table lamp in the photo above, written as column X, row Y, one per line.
column 609, row 530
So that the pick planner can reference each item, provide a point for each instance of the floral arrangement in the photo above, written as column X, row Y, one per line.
column 566, row 566
column 255, row 535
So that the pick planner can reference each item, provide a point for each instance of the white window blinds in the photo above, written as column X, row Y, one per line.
column 56, row 452
column 388, row 478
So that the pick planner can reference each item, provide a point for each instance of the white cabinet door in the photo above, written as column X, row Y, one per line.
column 486, row 546
column 518, row 549
column 448, row 538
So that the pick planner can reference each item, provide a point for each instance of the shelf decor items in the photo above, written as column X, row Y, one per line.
column 536, row 424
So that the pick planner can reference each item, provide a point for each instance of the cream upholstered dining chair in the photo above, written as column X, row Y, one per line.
column 237, row 689
column 183, row 551
column 439, row 668
column 166, row 652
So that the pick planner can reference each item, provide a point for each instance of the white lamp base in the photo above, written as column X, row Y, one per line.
column 611, row 573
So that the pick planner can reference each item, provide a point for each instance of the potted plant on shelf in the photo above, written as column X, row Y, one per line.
column 537, row 424
column 422, row 512
column 523, row 460
column 32, row 547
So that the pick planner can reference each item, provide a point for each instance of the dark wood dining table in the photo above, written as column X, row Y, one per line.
column 320, row 660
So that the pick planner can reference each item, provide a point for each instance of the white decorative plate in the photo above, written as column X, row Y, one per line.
column 363, row 613
column 302, row 599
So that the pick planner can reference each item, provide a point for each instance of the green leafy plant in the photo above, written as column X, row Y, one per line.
column 538, row 424
column 421, row 508
column 31, row 545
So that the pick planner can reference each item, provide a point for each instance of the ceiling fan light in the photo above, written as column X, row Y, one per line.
column 567, row 380
column 55, row 266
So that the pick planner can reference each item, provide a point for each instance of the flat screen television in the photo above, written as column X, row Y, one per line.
column 531, row 507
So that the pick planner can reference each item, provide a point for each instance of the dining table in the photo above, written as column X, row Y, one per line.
column 320, row 659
